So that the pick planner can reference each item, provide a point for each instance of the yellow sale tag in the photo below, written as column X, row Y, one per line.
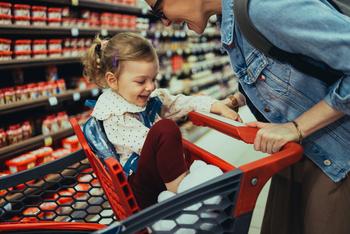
column 48, row 141
column 75, row 2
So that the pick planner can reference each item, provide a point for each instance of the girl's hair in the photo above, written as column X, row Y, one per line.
column 108, row 55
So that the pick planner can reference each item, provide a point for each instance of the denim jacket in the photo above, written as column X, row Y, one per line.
column 280, row 92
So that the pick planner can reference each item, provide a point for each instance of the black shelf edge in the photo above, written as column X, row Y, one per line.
column 45, row 101
column 58, row 31
column 96, row 5
column 32, row 143
column 33, row 62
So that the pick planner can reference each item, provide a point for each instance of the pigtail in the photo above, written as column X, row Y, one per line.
column 92, row 62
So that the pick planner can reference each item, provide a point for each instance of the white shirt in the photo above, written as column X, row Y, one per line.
column 121, row 122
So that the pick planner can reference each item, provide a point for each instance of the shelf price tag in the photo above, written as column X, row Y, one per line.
column 74, row 32
column 48, row 141
column 53, row 101
column 75, row 2
column 76, row 96
column 94, row 92
column 104, row 32
column 144, row 11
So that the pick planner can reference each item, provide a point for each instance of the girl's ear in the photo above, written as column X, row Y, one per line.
column 111, row 79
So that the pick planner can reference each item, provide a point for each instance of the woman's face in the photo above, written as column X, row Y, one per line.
column 193, row 13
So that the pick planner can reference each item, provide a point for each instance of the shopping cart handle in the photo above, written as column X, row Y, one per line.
column 257, row 173
column 243, row 133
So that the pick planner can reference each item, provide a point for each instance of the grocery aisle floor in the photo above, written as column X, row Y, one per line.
column 237, row 153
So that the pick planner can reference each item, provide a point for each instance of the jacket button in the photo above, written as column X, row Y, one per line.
column 267, row 109
column 327, row 162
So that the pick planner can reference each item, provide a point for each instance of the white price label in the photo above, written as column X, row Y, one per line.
column 53, row 101
column 143, row 33
column 144, row 11
column 94, row 92
column 104, row 32
column 157, row 34
column 75, row 2
column 76, row 96
column 74, row 32
column 169, row 53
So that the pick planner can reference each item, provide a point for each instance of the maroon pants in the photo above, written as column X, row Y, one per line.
column 161, row 161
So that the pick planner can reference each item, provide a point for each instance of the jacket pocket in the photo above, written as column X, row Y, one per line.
column 256, row 63
column 277, row 77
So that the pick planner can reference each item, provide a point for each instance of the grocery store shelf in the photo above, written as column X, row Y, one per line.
column 58, row 31
column 10, row 64
column 96, row 5
column 74, row 95
column 33, row 143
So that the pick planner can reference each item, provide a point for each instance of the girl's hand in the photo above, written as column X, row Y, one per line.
column 221, row 109
column 235, row 101
column 272, row 137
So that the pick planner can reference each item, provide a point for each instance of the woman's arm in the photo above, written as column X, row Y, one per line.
column 272, row 137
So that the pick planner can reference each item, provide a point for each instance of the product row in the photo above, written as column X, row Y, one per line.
column 50, row 124
column 22, row 14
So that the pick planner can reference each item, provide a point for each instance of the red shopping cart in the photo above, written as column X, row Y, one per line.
column 238, row 189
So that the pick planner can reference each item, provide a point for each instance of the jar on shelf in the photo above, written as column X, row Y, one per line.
column 5, row 44
column 27, row 130
column 39, row 21
column 21, row 14
column 3, row 138
column 39, row 12
column 5, row 19
column 33, row 91
column 54, row 22
column 42, row 89
column 5, row 55
column 22, row 49
column 54, row 13
column 21, row 94
column 9, row 95
column 5, row 8
column 63, row 120
column 55, row 47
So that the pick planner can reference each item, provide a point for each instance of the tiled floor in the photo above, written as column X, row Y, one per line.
column 237, row 153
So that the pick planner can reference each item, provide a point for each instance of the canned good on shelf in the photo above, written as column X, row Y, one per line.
column 21, row 163
column 5, row 8
column 54, row 22
column 23, row 54
column 5, row 19
column 39, row 54
column 39, row 12
column 39, row 21
column 5, row 55
column 22, row 45
column 21, row 10
column 54, row 13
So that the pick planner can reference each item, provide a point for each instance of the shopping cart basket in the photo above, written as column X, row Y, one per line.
column 189, row 212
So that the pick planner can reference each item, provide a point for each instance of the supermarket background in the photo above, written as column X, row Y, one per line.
column 41, row 86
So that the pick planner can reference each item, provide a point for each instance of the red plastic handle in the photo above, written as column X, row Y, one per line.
column 257, row 173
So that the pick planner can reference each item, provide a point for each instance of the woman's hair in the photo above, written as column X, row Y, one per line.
column 108, row 55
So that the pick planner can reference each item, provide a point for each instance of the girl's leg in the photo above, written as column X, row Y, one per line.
column 161, row 163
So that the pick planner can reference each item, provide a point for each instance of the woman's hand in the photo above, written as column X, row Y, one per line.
column 221, row 109
column 272, row 137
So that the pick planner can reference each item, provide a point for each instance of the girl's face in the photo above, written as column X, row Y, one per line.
column 136, row 81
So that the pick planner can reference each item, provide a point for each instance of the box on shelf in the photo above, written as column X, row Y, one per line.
column 21, row 163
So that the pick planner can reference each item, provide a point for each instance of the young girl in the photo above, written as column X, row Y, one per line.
column 132, row 109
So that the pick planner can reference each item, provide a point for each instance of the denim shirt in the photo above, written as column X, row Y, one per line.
column 280, row 92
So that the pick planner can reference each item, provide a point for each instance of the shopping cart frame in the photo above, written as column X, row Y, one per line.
column 251, row 179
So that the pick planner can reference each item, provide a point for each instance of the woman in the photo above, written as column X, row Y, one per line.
column 313, row 195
